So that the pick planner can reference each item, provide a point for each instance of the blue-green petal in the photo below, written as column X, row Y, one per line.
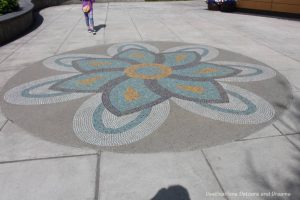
column 137, row 56
column 90, row 83
column 99, row 126
column 181, row 59
column 197, row 91
column 130, row 96
column 205, row 71
column 100, row 64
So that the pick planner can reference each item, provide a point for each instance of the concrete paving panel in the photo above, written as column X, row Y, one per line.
column 53, row 179
column 256, row 167
column 141, row 176
column 17, row 144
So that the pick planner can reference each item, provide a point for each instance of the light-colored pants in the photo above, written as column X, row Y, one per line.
column 89, row 19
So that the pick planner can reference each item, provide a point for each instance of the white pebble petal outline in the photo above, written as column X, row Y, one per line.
column 85, row 131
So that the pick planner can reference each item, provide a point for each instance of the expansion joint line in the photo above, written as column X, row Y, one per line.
column 97, row 178
column 105, row 22
column 214, row 174
column 132, row 21
column 47, row 158
column 287, row 138
column 68, row 35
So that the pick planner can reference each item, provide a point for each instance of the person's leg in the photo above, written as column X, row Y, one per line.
column 87, row 22
column 91, row 20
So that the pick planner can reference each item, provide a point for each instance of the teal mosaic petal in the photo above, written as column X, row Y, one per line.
column 198, row 91
column 174, row 59
column 137, row 56
column 97, row 64
column 130, row 96
column 251, row 107
column 28, row 91
column 99, row 125
column 206, row 70
column 86, row 82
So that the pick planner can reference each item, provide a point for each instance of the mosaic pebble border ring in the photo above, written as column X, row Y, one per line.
column 126, row 93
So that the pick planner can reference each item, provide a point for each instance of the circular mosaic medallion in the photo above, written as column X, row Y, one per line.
column 145, row 97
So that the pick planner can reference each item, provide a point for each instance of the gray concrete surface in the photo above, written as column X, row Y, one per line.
column 267, row 161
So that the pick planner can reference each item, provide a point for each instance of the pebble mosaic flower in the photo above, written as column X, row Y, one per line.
column 130, row 88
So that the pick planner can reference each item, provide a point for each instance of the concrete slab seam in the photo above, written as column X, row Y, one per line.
column 47, row 158
column 97, row 178
column 3, row 124
column 68, row 35
column 214, row 174
column 177, row 36
column 272, row 136
column 134, row 24
column 105, row 22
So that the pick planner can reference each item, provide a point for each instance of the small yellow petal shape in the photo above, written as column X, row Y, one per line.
column 137, row 55
column 194, row 89
column 99, row 64
column 131, row 94
column 180, row 57
column 207, row 70
column 90, row 81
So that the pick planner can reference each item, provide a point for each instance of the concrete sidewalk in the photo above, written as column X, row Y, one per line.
column 265, row 161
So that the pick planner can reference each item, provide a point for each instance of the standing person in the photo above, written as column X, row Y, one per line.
column 87, row 8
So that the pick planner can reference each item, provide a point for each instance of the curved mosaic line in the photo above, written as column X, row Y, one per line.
column 206, row 52
column 117, row 48
column 243, row 107
column 37, row 92
column 64, row 62
column 249, row 72
column 91, row 124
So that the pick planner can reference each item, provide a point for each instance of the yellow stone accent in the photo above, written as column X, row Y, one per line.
column 131, row 71
column 190, row 88
column 90, row 81
column 131, row 94
column 137, row 55
column 207, row 70
column 180, row 57
column 98, row 63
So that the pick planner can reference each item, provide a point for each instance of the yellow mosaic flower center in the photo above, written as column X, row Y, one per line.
column 132, row 71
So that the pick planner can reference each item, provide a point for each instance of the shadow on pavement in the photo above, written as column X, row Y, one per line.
column 100, row 26
column 293, row 113
column 283, row 16
column 276, row 182
column 175, row 192
column 37, row 21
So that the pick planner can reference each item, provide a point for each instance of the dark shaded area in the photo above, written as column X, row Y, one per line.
column 17, row 24
column 269, row 14
column 175, row 192
column 99, row 27
column 37, row 21
column 292, row 113
column 287, row 184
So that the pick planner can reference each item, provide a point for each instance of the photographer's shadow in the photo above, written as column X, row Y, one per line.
column 175, row 192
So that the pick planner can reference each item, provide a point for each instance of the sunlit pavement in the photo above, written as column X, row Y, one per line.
column 263, row 165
